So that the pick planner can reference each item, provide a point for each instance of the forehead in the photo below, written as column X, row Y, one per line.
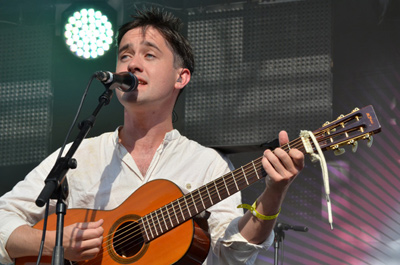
column 144, row 36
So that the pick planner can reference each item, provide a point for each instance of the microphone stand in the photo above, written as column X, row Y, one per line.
column 56, row 185
column 280, row 236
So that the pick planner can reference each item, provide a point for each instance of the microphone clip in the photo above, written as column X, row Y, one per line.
column 124, row 81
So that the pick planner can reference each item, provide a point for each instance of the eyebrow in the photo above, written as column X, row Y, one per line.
column 123, row 48
column 145, row 42
column 150, row 44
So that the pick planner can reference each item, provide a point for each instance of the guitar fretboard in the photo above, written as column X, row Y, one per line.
column 173, row 214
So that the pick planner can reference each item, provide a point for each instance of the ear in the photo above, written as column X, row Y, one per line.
column 183, row 78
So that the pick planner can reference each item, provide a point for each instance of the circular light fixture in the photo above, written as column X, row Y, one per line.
column 88, row 33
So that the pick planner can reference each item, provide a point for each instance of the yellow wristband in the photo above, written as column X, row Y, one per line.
column 253, row 210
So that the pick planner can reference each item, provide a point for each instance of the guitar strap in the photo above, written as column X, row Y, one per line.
column 305, row 137
column 201, row 220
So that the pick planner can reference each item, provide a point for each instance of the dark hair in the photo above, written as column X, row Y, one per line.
column 169, row 26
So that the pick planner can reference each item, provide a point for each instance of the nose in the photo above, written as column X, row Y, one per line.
column 135, row 65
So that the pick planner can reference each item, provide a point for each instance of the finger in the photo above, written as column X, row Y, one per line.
column 282, row 163
column 265, row 161
column 272, row 165
column 89, row 249
column 93, row 243
column 90, row 225
column 89, row 234
column 86, row 234
column 98, row 223
column 283, row 138
column 297, row 158
column 292, row 162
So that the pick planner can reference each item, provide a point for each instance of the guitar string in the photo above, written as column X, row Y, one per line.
column 239, row 178
column 294, row 144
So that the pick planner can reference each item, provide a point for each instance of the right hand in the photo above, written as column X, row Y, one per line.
column 83, row 241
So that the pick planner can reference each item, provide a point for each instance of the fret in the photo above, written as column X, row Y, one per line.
column 212, row 203
column 145, row 230
column 194, row 203
column 234, row 179
column 173, row 208
column 226, row 186
column 154, row 224
column 216, row 188
column 183, row 217
column 151, row 230
column 201, row 199
column 159, row 223
column 255, row 170
column 165, row 223
column 245, row 177
column 169, row 217
column 187, row 206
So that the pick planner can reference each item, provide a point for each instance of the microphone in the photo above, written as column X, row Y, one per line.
column 124, row 81
column 282, row 226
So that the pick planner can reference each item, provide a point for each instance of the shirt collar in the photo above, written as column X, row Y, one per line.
column 169, row 136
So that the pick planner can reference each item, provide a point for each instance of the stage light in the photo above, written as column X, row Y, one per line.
column 88, row 32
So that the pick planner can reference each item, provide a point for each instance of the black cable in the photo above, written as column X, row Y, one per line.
column 282, row 252
column 76, row 116
column 46, row 214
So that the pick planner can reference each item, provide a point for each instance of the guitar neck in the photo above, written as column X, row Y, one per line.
column 195, row 202
column 346, row 130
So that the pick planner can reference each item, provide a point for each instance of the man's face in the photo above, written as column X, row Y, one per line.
column 150, row 59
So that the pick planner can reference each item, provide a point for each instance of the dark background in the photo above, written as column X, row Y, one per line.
column 41, row 84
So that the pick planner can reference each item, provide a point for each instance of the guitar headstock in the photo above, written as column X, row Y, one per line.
column 360, row 124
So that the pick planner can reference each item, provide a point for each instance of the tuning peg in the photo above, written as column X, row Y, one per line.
column 354, row 147
column 340, row 117
column 339, row 151
column 370, row 141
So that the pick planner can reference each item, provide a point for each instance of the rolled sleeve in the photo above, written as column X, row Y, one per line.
column 228, row 244
column 234, row 248
column 7, row 226
column 17, row 207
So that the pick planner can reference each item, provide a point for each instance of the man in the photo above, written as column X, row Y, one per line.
column 146, row 147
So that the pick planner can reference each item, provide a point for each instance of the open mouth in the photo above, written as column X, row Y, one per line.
column 142, row 82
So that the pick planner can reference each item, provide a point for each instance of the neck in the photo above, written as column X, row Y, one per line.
column 144, row 130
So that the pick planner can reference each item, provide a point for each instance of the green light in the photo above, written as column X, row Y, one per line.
column 88, row 33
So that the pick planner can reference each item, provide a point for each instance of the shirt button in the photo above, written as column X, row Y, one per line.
column 188, row 186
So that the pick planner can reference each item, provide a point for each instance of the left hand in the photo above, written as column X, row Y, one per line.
column 282, row 167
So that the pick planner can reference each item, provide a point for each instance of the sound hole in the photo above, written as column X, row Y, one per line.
column 128, row 239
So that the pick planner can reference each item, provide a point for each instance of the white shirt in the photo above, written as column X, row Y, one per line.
column 107, row 175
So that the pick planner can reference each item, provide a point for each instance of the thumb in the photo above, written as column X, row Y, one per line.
column 283, row 138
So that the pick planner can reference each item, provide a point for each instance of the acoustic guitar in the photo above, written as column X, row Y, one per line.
column 162, row 230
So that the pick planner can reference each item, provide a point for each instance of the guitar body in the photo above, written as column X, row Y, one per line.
column 184, row 244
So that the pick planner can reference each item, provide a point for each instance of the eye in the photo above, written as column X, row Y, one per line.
column 150, row 56
column 123, row 57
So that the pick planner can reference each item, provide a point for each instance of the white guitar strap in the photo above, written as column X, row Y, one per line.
column 305, row 136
